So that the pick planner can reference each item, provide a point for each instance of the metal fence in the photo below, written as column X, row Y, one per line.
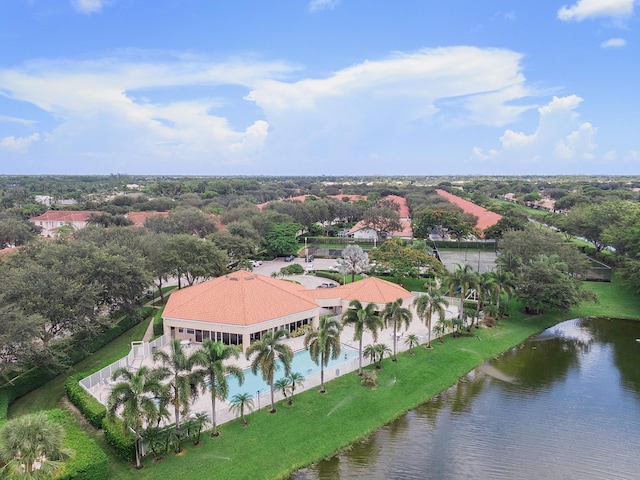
column 139, row 351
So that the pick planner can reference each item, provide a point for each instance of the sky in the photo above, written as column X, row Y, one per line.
column 320, row 87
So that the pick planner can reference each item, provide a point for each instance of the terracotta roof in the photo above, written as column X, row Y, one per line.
column 485, row 217
column 353, row 198
column 402, row 202
column 138, row 218
column 372, row 290
column 63, row 216
column 240, row 298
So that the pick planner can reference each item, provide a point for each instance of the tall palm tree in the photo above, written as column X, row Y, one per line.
column 212, row 357
column 240, row 402
column 31, row 447
column 488, row 288
column 135, row 393
column 324, row 344
column 428, row 304
column 362, row 318
column 397, row 315
column 465, row 279
column 265, row 352
column 183, row 382
column 505, row 282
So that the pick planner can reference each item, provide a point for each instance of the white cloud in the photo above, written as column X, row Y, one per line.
column 315, row 5
column 632, row 156
column 584, row 9
column 558, row 138
column 20, row 145
column 614, row 42
column 88, row 6
column 146, row 110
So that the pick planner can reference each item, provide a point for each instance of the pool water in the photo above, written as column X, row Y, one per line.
column 301, row 363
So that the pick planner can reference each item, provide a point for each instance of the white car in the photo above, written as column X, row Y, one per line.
column 256, row 263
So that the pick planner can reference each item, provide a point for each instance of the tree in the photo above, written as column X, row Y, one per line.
column 396, row 315
column 428, row 304
column 354, row 260
column 543, row 286
column 403, row 261
column 134, row 394
column 265, row 352
column 362, row 318
column 283, row 384
column 241, row 402
column 297, row 379
column 183, row 382
column 212, row 357
column 465, row 279
column 383, row 218
column 194, row 258
column 282, row 239
column 15, row 231
column 411, row 341
column 324, row 344
column 444, row 222
column 31, row 447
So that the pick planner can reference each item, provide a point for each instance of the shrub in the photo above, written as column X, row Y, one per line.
column 123, row 442
column 293, row 269
column 90, row 408
column 89, row 462
column 299, row 332
column 158, row 323
column 369, row 379
column 336, row 277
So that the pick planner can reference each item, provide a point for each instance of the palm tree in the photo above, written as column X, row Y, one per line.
column 31, row 447
column 371, row 352
column 465, row 279
column 296, row 379
column 154, row 437
column 487, row 288
column 265, row 352
column 427, row 305
column 135, row 393
column 214, row 373
column 411, row 341
column 504, row 281
column 381, row 349
column 397, row 315
column 183, row 382
column 323, row 344
column 283, row 384
column 362, row 318
column 509, row 262
column 240, row 402
column 200, row 421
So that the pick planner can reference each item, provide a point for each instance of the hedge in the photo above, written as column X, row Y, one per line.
column 89, row 462
column 89, row 406
column 336, row 277
column 124, row 443
column 158, row 323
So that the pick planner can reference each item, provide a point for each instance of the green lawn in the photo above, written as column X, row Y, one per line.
column 317, row 426
column 50, row 395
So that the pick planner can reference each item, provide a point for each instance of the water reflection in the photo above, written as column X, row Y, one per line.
column 555, row 407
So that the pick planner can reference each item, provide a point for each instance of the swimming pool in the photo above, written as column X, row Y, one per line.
column 301, row 363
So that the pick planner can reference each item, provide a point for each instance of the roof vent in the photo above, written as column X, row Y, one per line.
column 235, row 279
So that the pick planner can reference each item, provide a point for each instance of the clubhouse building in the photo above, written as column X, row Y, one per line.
column 238, row 308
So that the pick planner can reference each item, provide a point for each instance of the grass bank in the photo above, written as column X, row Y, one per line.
column 317, row 426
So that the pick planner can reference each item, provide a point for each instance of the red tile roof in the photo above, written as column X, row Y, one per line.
column 373, row 290
column 485, row 217
column 239, row 298
column 63, row 216
column 138, row 218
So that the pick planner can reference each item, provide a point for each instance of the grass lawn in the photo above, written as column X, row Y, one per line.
column 317, row 426
column 50, row 395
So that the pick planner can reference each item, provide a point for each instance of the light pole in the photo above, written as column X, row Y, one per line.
column 258, row 395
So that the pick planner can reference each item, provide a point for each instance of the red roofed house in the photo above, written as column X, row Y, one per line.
column 240, row 307
column 138, row 218
column 51, row 220
column 486, row 218
column 360, row 230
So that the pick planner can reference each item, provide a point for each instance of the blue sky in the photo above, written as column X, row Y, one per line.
column 319, row 87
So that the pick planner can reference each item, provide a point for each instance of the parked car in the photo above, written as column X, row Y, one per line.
column 327, row 285
column 289, row 258
column 256, row 263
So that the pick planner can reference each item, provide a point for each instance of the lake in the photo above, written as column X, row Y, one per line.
column 563, row 405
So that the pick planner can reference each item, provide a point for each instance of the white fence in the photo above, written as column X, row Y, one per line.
column 139, row 351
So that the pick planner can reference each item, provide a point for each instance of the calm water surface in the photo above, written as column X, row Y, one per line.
column 563, row 405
